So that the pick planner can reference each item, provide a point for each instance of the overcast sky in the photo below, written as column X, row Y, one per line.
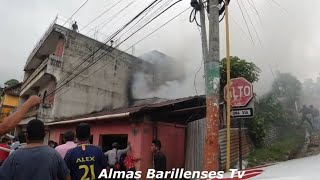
column 288, row 32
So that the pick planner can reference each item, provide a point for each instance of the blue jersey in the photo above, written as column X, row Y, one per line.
column 85, row 162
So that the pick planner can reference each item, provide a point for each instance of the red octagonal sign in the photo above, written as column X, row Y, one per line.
column 241, row 92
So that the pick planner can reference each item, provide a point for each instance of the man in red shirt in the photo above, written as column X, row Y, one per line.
column 130, row 161
column 4, row 154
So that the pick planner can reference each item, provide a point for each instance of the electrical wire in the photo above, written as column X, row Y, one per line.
column 245, row 22
column 193, row 17
column 75, row 12
column 154, row 31
column 101, row 14
column 245, row 9
column 115, row 15
column 251, row 2
column 136, row 24
column 152, row 20
column 196, row 74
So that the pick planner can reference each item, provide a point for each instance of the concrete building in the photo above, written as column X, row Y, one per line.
column 56, row 59
column 9, row 100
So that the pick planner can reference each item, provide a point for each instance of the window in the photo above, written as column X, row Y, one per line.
column 107, row 140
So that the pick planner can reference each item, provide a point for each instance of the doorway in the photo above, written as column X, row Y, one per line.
column 107, row 140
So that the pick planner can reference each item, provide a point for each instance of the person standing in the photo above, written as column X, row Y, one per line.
column 4, row 144
column 114, row 155
column 130, row 161
column 159, row 159
column 22, row 142
column 68, row 138
column 85, row 161
column 75, row 26
column 36, row 160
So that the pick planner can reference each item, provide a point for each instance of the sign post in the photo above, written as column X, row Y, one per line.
column 241, row 91
column 240, row 145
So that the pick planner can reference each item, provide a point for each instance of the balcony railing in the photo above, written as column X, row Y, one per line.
column 55, row 61
column 32, row 112
column 33, row 75
column 52, row 63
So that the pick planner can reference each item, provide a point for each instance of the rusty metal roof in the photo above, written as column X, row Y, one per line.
column 141, row 107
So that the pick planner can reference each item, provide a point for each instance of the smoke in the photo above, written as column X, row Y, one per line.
column 166, row 78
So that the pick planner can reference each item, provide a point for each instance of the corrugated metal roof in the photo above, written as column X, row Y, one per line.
column 139, row 107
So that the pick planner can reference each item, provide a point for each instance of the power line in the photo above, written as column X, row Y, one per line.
column 136, row 24
column 101, row 14
column 280, row 6
column 76, row 12
column 152, row 20
column 245, row 21
column 132, row 46
column 251, row 2
column 245, row 9
column 145, row 19
column 115, row 15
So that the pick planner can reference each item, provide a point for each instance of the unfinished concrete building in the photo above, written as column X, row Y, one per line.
column 60, row 55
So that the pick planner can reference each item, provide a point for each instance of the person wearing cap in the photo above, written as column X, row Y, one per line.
column 86, row 161
column 115, row 153
column 36, row 160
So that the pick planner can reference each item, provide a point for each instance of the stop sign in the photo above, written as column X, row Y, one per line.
column 241, row 92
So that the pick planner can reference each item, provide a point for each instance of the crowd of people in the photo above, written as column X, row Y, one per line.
column 29, row 158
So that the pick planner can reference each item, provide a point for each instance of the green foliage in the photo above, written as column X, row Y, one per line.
column 287, row 88
column 239, row 68
column 11, row 82
column 286, row 148
column 257, row 130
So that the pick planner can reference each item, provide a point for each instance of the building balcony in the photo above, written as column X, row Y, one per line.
column 49, row 69
column 43, row 112
column 46, row 46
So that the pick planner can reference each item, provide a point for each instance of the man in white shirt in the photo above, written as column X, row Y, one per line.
column 68, row 138
column 115, row 153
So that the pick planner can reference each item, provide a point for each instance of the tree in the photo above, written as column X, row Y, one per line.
column 11, row 82
column 239, row 68
column 287, row 88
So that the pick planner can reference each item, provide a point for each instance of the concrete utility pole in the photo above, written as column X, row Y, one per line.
column 212, row 82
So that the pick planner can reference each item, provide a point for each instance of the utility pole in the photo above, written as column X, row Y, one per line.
column 212, row 84
column 228, row 85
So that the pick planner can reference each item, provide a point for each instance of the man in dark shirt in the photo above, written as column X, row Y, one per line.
column 85, row 161
column 306, row 115
column 159, row 159
column 36, row 160
column 75, row 26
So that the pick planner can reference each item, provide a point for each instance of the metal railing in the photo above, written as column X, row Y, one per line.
column 34, row 74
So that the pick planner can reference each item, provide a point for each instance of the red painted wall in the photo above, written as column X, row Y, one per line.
column 173, row 144
column 146, row 141
column 171, row 137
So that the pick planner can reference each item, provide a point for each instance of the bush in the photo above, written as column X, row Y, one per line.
column 286, row 148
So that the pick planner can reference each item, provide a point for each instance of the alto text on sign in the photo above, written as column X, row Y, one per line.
column 241, row 92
